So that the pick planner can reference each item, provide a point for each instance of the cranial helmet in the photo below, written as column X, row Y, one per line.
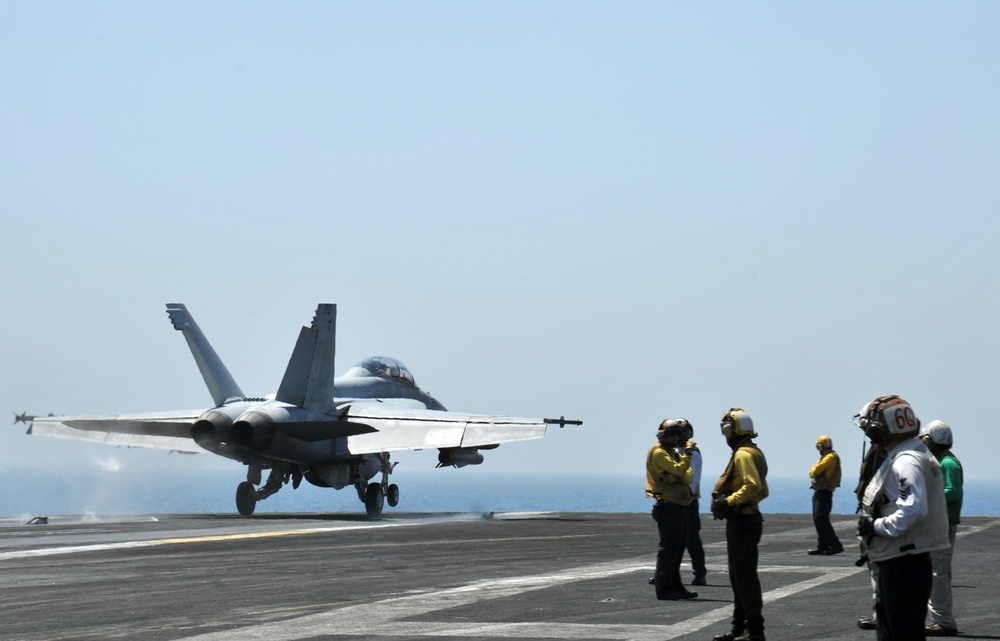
column 824, row 442
column 886, row 416
column 740, row 420
column 680, row 425
column 939, row 433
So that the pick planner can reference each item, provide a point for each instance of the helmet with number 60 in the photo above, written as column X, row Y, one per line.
column 885, row 417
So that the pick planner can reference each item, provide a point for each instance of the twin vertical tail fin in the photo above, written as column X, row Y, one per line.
column 220, row 382
column 308, row 380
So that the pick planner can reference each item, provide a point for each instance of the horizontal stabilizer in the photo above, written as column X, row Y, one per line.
column 313, row 431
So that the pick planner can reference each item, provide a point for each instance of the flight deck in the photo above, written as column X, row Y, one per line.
column 305, row 577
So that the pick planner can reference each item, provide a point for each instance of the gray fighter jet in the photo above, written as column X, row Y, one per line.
column 332, row 432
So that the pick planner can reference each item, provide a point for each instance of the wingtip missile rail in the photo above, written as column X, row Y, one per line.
column 562, row 421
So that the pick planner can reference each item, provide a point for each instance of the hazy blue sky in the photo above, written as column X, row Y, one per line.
column 618, row 213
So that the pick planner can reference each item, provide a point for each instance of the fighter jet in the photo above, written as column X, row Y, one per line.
column 332, row 432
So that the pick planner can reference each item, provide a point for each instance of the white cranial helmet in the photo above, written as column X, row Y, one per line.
column 939, row 432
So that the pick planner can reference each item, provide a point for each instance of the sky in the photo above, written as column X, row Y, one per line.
column 617, row 213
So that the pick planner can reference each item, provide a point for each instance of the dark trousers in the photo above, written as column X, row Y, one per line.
column 694, row 547
column 826, row 537
column 671, row 521
column 742, row 537
column 904, row 585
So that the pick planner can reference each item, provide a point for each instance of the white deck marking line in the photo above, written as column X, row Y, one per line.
column 125, row 545
column 964, row 530
column 389, row 616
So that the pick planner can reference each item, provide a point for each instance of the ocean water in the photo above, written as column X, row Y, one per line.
column 445, row 490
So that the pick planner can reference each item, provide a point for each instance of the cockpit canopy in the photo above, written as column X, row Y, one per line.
column 383, row 367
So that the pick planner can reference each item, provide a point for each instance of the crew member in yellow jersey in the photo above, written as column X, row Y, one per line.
column 824, row 478
column 668, row 481
column 736, row 497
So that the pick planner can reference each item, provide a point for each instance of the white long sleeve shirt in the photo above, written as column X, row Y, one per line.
column 906, row 487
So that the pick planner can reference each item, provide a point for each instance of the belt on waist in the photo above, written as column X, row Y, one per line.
column 746, row 509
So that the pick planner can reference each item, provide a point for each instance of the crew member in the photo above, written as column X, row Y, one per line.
column 903, row 519
column 668, row 480
column 870, row 463
column 824, row 478
column 937, row 436
column 735, row 498
column 694, row 547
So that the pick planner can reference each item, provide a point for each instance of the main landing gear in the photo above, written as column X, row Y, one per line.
column 246, row 498
column 374, row 495
column 247, row 495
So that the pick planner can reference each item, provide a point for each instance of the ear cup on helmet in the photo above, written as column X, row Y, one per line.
column 887, row 416
column 740, row 420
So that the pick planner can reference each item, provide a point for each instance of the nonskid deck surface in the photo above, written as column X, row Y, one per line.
column 415, row 576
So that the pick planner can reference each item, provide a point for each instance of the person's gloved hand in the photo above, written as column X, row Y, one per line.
column 866, row 526
column 719, row 508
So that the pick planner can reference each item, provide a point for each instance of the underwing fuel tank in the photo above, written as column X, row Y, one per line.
column 459, row 457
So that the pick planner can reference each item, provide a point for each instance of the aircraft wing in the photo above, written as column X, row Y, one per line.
column 400, row 428
column 166, row 431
